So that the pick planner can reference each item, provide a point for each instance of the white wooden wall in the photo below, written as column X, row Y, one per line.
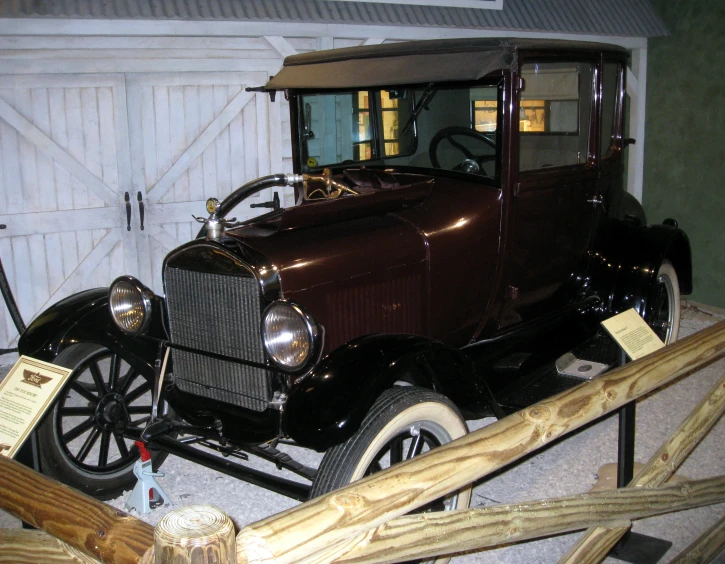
column 85, row 120
column 92, row 110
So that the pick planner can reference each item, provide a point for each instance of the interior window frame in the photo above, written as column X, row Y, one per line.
column 370, row 110
column 617, row 138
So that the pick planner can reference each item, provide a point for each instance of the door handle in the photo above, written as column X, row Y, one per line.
column 139, row 197
column 127, row 198
column 598, row 200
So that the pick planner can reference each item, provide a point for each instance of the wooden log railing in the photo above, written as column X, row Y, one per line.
column 342, row 516
column 418, row 537
column 466, row 530
column 366, row 521
column 705, row 548
column 597, row 542
column 84, row 523
column 21, row 546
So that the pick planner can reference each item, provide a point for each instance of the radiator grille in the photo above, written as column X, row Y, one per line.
column 218, row 314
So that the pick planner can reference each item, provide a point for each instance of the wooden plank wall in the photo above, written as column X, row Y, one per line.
column 85, row 119
column 44, row 199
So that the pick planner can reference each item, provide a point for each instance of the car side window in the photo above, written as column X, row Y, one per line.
column 610, row 87
column 554, row 114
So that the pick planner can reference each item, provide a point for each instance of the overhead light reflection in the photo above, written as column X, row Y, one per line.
column 457, row 225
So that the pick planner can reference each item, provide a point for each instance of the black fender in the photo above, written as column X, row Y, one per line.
column 626, row 257
column 326, row 406
column 85, row 318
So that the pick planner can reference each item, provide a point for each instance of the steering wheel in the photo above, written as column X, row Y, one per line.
column 472, row 163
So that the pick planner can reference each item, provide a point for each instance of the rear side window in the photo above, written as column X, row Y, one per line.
column 554, row 114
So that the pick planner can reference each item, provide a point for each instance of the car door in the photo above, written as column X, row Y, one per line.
column 554, row 185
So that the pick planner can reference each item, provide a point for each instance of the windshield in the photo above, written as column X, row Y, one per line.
column 448, row 127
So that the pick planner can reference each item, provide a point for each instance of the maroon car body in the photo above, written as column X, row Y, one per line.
column 461, row 222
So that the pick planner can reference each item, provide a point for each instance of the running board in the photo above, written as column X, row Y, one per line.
column 537, row 389
column 601, row 354
column 570, row 365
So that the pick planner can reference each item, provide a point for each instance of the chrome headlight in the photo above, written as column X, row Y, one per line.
column 130, row 304
column 289, row 335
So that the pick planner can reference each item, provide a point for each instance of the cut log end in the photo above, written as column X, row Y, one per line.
column 196, row 534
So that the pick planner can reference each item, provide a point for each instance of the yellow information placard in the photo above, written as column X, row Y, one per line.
column 25, row 394
column 633, row 334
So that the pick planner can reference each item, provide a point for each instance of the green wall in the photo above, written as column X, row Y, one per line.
column 684, row 165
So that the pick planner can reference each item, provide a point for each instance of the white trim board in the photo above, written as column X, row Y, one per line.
column 92, row 43
column 637, row 90
column 55, row 81
column 121, row 65
column 25, row 224
column 196, row 79
column 156, row 28
column 478, row 4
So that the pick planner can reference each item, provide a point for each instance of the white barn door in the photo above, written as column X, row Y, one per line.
column 63, row 175
column 80, row 153
column 195, row 136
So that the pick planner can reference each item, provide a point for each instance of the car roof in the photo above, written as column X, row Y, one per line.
column 415, row 62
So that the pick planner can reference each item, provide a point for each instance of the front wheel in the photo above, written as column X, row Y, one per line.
column 404, row 422
column 82, row 441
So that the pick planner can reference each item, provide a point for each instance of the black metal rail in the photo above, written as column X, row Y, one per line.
column 283, row 486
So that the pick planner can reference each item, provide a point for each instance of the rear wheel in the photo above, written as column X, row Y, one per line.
column 404, row 422
column 664, row 313
column 81, row 438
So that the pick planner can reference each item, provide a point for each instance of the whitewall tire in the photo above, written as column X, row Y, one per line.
column 404, row 422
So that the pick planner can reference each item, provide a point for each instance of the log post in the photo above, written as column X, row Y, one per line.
column 333, row 518
column 597, row 542
column 86, row 524
column 196, row 534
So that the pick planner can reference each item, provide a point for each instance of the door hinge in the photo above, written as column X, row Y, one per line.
column 517, row 189
column 512, row 293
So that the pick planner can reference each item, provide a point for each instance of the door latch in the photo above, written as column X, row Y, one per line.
column 127, row 199
column 598, row 200
column 139, row 197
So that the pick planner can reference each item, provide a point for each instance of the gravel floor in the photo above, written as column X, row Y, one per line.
column 567, row 467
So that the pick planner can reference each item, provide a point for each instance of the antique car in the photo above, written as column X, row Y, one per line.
column 460, row 223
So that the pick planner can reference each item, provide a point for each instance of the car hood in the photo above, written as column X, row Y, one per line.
column 315, row 256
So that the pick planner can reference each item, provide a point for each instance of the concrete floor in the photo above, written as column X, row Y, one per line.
column 566, row 467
